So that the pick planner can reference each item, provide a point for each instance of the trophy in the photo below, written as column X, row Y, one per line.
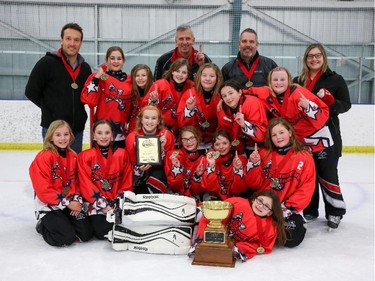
column 216, row 247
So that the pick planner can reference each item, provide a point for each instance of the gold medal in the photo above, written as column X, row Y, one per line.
column 74, row 85
column 260, row 250
column 206, row 124
column 216, row 155
column 174, row 154
column 249, row 84
column 105, row 185
column 65, row 190
column 274, row 184
column 235, row 142
column 104, row 77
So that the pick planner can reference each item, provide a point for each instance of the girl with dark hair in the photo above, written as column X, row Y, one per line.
column 243, row 116
column 255, row 225
column 221, row 173
column 142, row 80
column 104, row 174
column 166, row 93
column 184, row 167
column 108, row 92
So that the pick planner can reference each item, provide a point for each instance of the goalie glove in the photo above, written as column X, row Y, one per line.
column 326, row 96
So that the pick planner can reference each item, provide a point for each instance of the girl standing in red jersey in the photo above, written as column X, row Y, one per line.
column 104, row 173
column 243, row 116
column 198, row 105
column 148, row 178
column 166, row 93
column 57, row 198
column 142, row 80
column 221, row 174
column 305, row 111
column 256, row 225
column 110, row 91
column 184, row 167
column 286, row 167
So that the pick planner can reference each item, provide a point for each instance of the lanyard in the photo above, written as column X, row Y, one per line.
column 284, row 106
column 65, row 171
column 248, row 73
column 73, row 73
column 311, row 83
column 104, row 167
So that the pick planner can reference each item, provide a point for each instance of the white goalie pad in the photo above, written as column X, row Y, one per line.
column 152, row 239
column 156, row 209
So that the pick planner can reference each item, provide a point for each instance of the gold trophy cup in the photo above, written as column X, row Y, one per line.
column 216, row 247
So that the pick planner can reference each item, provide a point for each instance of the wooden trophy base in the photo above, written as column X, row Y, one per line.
column 214, row 254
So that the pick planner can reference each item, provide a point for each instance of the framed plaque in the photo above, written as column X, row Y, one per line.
column 148, row 150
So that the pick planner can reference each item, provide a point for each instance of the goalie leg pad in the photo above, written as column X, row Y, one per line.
column 158, row 209
column 152, row 239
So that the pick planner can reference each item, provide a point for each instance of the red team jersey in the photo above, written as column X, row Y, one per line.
column 112, row 99
column 255, row 121
column 221, row 179
column 248, row 231
column 168, row 99
column 203, row 116
column 183, row 180
column 102, row 180
column 293, row 182
column 309, row 124
column 54, row 180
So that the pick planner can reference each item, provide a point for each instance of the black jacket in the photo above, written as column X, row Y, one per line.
column 49, row 87
column 336, row 85
column 232, row 70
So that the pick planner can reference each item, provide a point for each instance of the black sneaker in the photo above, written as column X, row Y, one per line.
column 333, row 221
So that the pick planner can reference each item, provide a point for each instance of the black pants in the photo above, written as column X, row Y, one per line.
column 153, row 181
column 327, row 178
column 100, row 225
column 295, row 230
column 59, row 228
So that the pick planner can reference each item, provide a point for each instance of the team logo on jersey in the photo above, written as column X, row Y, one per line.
column 236, row 226
column 170, row 104
column 278, row 183
column 97, row 176
column 117, row 95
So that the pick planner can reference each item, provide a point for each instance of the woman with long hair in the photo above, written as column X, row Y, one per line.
column 331, row 88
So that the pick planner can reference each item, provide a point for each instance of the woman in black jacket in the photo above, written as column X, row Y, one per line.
column 317, row 77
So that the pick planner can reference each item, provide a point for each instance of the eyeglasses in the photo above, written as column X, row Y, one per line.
column 262, row 204
column 317, row 56
column 185, row 140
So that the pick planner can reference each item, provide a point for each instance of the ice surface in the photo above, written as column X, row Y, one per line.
column 345, row 254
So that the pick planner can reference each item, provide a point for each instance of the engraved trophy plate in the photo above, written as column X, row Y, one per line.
column 216, row 247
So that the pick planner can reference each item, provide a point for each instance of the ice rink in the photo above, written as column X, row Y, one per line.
column 345, row 254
